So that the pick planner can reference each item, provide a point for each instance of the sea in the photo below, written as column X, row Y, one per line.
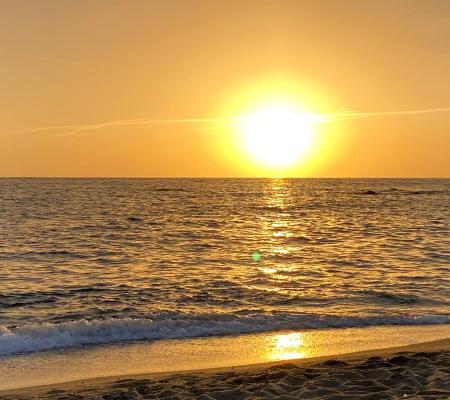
column 101, row 261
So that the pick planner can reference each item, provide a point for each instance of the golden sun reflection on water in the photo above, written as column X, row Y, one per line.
column 287, row 347
column 277, row 224
column 269, row 270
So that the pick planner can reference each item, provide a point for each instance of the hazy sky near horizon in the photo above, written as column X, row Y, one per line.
column 116, row 88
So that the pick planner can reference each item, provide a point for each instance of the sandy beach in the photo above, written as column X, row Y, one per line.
column 419, row 371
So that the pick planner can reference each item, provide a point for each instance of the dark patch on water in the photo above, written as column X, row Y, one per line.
column 397, row 298
column 135, row 219
column 169, row 190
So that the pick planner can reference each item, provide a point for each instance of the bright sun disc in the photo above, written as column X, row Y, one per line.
column 279, row 135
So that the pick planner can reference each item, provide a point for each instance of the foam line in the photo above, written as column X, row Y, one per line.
column 46, row 336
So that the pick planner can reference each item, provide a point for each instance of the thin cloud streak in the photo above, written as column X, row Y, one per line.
column 73, row 129
column 354, row 114
column 68, row 130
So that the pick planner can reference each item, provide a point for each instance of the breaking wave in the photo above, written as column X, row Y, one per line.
column 46, row 336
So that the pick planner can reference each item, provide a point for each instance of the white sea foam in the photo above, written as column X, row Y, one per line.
column 46, row 336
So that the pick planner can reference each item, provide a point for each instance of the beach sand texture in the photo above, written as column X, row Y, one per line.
column 405, row 375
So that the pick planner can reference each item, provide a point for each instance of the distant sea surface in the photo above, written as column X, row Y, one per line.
column 91, row 261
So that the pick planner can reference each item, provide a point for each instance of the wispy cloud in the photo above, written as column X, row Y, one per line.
column 202, row 124
column 67, row 130
column 343, row 115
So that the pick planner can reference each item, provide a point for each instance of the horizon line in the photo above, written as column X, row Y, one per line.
column 222, row 177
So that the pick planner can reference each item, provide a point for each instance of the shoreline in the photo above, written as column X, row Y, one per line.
column 126, row 385
column 108, row 383
column 184, row 355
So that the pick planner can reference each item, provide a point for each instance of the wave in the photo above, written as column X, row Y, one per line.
column 173, row 189
column 397, row 298
column 47, row 336
column 410, row 192
column 20, row 299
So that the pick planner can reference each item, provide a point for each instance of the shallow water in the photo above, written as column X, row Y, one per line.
column 105, row 260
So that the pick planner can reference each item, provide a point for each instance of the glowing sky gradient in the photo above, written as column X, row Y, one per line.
column 154, row 88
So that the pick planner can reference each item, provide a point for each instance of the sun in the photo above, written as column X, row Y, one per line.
column 278, row 135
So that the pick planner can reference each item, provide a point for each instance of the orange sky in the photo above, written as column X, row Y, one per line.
column 67, row 66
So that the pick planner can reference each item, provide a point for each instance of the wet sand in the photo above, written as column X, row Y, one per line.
column 412, row 372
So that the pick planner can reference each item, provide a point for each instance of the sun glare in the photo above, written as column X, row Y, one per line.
column 287, row 347
column 278, row 135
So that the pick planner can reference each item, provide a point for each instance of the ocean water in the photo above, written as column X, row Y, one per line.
column 91, row 261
